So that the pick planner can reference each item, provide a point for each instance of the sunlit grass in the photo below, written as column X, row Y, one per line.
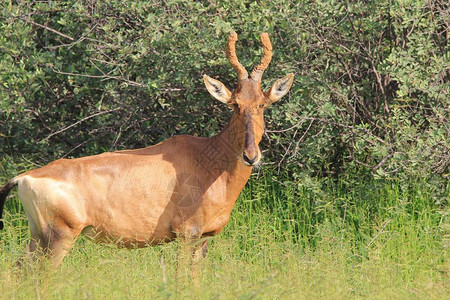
column 375, row 240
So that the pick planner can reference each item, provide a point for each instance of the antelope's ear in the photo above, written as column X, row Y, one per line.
column 280, row 88
column 217, row 89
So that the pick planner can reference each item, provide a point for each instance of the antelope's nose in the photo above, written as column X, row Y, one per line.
column 250, row 160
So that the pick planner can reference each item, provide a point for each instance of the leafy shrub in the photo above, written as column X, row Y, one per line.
column 371, row 94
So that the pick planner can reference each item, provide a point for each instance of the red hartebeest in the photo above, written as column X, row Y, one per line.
column 183, row 187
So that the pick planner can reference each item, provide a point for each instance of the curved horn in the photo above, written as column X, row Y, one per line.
column 265, row 61
column 232, row 57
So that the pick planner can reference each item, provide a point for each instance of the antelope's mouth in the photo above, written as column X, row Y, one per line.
column 251, row 159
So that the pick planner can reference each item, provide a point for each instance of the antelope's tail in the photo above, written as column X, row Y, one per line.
column 4, row 191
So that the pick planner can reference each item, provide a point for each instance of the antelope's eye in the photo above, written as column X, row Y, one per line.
column 261, row 105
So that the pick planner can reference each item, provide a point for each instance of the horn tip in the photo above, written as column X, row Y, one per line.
column 233, row 35
column 265, row 40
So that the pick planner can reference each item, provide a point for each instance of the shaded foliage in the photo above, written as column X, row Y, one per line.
column 371, row 94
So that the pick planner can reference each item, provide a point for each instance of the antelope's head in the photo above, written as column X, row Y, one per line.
column 247, row 100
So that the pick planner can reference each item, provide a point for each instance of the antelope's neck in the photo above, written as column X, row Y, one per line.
column 232, row 137
column 227, row 147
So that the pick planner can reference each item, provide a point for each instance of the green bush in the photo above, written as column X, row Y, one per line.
column 371, row 93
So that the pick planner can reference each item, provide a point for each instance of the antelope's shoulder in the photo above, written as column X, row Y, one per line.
column 179, row 144
column 186, row 139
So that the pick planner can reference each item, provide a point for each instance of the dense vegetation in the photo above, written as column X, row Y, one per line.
column 352, row 198
column 371, row 90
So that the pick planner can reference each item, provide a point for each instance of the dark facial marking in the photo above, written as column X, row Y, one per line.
column 249, row 131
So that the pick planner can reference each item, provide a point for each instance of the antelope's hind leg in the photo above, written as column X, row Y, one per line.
column 56, row 242
column 55, row 216
column 53, row 243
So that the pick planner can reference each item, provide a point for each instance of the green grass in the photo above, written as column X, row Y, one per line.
column 326, row 240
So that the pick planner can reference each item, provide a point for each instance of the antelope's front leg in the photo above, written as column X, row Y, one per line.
column 191, row 251
column 199, row 249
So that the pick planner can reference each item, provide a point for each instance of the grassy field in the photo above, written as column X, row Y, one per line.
column 331, row 240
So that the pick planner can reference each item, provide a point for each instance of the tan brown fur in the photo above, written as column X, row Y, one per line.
column 183, row 187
